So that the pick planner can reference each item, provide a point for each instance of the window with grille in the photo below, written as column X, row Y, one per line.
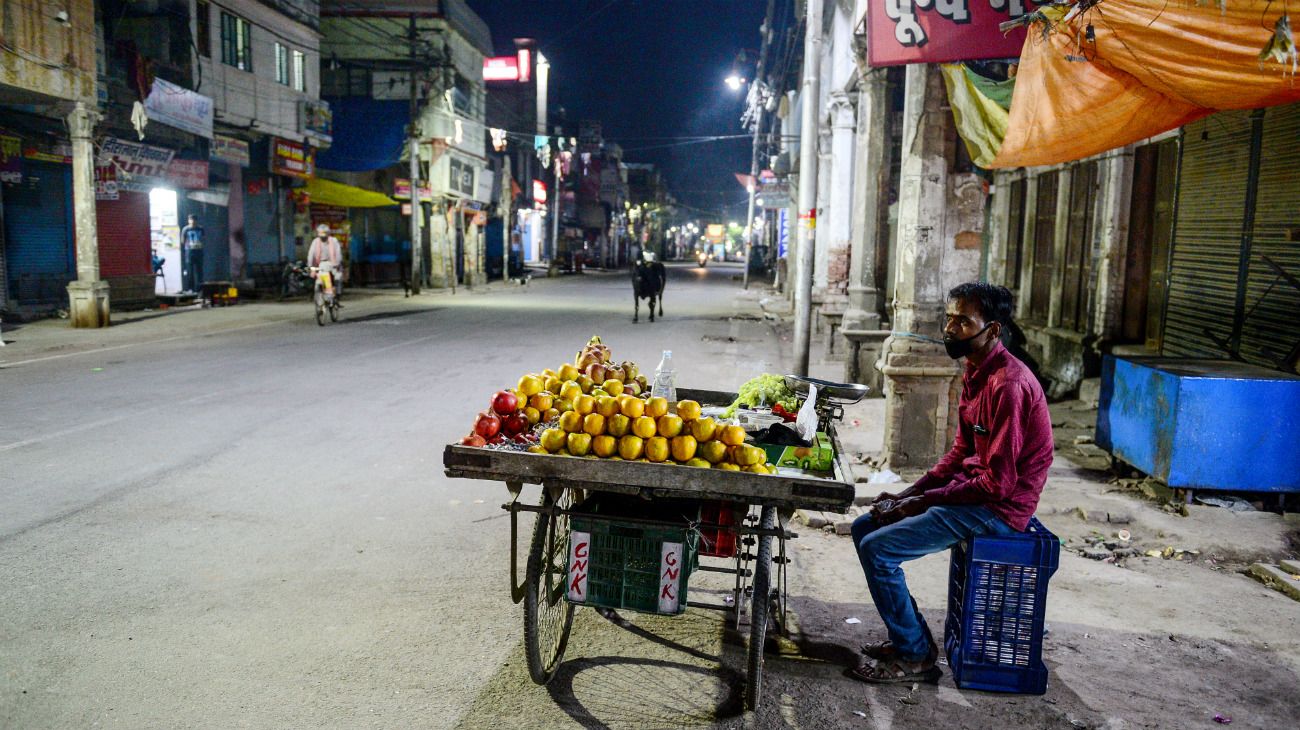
column 299, row 70
column 281, row 64
column 236, row 42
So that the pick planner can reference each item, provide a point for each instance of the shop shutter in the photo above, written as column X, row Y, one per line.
column 38, row 243
column 123, row 227
column 1272, row 325
column 261, row 227
column 1207, row 242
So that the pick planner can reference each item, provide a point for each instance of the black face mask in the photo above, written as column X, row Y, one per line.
column 958, row 349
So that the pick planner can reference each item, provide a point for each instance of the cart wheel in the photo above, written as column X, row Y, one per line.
column 334, row 311
column 548, row 616
column 320, row 309
column 760, row 603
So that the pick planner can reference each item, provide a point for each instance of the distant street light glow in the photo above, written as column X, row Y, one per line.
column 735, row 82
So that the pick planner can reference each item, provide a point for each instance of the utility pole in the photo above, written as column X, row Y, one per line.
column 555, row 219
column 417, row 207
column 758, row 131
column 810, row 102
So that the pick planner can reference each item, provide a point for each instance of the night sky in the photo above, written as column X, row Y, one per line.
column 648, row 70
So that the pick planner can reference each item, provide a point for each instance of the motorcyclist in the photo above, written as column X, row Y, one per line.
column 326, row 253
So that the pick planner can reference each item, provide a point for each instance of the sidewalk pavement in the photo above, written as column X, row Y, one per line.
column 1152, row 621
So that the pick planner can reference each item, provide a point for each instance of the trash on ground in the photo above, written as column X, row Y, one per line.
column 884, row 476
column 859, row 713
column 1228, row 502
column 1223, row 719
column 852, row 620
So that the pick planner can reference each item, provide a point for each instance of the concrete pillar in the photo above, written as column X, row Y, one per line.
column 1111, row 223
column 88, row 295
column 921, row 383
column 864, row 338
column 438, row 242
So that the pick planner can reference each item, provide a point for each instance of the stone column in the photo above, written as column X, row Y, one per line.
column 861, row 326
column 88, row 295
column 921, row 383
column 839, row 200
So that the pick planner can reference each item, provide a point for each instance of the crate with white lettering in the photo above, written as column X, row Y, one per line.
column 630, row 565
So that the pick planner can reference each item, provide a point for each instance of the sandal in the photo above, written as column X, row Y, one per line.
column 895, row 672
column 881, row 650
column 885, row 650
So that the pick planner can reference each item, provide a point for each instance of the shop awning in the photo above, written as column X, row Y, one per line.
column 328, row 192
column 1124, row 70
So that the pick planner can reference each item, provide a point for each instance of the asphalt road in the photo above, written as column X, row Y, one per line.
column 252, row 528
column 235, row 518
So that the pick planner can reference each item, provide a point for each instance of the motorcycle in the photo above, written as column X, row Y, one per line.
column 701, row 258
column 325, row 296
column 295, row 280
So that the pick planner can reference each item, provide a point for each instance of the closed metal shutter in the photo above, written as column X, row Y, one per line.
column 123, row 227
column 1271, row 327
column 261, row 227
column 1207, row 235
column 37, row 239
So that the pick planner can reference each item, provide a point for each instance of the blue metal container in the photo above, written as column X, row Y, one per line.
column 1202, row 424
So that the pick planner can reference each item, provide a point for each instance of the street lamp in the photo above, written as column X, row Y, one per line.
column 735, row 82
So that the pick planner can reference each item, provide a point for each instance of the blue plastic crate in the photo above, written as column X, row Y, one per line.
column 997, row 600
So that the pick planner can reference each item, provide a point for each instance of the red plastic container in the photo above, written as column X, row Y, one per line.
column 718, row 539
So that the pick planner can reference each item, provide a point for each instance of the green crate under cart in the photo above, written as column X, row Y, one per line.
column 628, row 565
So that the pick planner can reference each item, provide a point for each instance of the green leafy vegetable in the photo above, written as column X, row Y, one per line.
column 765, row 390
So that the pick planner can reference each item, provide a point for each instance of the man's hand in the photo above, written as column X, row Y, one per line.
column 885, row 497
column 890, row 512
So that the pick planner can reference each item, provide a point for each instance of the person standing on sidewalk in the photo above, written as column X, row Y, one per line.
column 192, row 253
column 988, row 483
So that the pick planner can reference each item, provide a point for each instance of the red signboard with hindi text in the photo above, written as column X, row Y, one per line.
column 939, row 31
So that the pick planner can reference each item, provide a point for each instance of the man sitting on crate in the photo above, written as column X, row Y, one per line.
column 987, row 484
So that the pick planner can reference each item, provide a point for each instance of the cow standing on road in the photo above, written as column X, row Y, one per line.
column 648, row 279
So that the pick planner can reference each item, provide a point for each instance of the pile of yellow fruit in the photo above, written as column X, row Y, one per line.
column 606, row 411
column 631, row 429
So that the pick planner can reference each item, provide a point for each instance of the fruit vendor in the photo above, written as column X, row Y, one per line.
column 989, row 482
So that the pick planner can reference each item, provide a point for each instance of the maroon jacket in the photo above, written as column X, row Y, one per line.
column 1003, row 446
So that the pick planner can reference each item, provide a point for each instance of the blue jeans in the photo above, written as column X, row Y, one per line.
column 882, row 550
column 192, row 271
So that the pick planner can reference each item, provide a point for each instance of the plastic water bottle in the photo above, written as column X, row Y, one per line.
column 664, row 386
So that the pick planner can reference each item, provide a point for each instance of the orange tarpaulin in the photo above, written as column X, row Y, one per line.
column 1155, row 65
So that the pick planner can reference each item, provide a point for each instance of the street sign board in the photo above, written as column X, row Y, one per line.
column 939, row 31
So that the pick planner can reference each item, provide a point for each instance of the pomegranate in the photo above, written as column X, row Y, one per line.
column 487, row 425
column 472, row 440
column 504, row 402
column 515, row 423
